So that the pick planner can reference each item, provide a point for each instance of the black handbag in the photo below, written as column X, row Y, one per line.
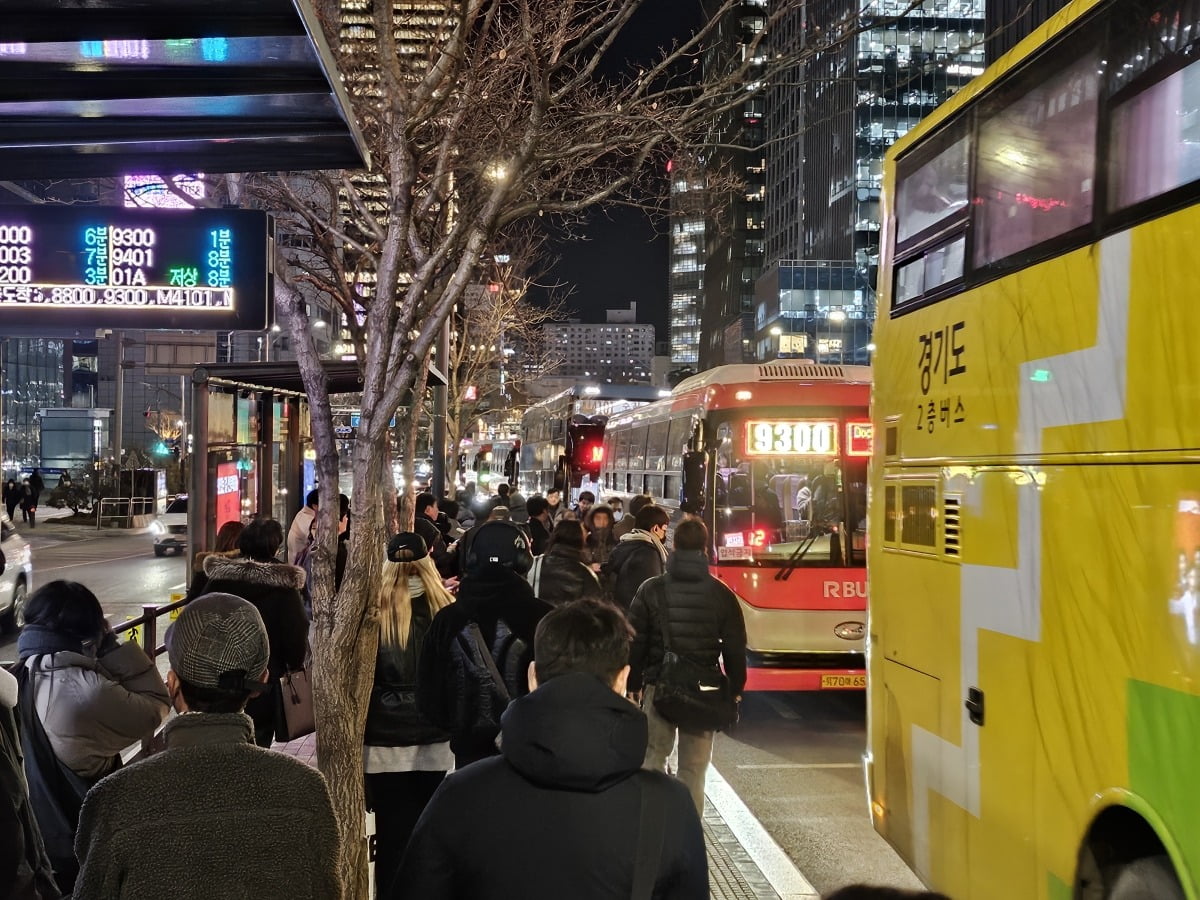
column 687, row 694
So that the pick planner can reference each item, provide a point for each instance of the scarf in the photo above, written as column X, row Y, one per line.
column 37, row 640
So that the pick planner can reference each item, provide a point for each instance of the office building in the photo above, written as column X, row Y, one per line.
column 828, row 128
column 612, row 352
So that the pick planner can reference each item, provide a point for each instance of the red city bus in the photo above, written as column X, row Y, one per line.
column 773, row 457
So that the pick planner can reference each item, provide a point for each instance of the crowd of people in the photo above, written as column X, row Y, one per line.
column 524, row 666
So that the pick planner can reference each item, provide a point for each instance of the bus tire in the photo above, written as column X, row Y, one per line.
column 1148, row 878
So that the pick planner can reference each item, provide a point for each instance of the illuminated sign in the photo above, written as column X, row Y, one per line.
column 859, row 438
column 106, row 267
column 806, row 438
column 151, row 191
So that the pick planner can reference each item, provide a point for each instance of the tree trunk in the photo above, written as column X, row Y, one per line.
column 346, row 643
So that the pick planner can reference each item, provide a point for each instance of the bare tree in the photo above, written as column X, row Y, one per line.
column 496, row 347
column 502, row 112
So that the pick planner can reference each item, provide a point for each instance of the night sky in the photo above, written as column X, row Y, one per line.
column 623, row 257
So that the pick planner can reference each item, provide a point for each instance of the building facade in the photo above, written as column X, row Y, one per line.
column 613, row 352
column 733, row 246
column 872, row 71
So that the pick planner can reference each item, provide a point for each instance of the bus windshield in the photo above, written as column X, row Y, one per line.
column 787, row 494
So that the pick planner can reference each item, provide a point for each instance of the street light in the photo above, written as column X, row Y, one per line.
column 776, row 331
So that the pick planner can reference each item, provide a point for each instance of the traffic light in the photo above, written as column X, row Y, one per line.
column 161, row 449
column 587, row 448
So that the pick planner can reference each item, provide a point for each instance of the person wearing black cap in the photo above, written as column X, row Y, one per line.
column 239, row 820
column 406, row 756
column 454, row 678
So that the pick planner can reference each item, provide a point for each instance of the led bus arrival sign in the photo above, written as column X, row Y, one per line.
column 110, row 267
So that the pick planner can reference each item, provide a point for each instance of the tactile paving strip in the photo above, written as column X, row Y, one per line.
column 732, row 874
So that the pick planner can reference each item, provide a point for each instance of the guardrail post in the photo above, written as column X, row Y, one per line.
column 150, row 646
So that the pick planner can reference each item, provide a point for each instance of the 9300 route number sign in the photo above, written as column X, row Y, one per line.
column 772, row 437
column 203, row 269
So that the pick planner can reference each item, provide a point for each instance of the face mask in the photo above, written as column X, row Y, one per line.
column 618, row 515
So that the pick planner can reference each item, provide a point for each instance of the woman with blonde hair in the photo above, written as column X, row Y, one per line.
column 405, row 757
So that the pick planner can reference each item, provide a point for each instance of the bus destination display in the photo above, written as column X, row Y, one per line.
column 144, row 268
column 791, row 438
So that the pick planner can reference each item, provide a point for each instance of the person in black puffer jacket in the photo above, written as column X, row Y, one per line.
column 406, row 757
column 561, row 575
column 707, row 627
column 495, row 595
column 639, row 555
column 273, row 588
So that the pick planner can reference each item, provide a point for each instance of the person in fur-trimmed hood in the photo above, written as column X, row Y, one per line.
column 225, row 545
column 273, row 587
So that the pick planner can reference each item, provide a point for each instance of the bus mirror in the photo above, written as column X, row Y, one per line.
column 695, row 466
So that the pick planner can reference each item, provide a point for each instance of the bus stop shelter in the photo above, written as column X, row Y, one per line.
column 94, row 88
column 252, row 450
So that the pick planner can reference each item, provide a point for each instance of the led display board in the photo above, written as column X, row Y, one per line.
column 791, row 438
column 109, row 267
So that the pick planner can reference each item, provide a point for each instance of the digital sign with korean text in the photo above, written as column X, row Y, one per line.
column 774, row 437
column 109, row 267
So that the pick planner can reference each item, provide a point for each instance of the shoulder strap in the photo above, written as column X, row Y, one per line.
column 489, row 660
column 588, row 569
column 651, row 831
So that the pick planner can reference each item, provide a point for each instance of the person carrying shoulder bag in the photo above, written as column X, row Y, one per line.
column 686, row 625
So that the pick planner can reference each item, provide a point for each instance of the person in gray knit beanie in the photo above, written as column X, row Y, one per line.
column 233, row 819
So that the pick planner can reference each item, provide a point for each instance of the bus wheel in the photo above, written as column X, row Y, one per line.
column 1148, row 878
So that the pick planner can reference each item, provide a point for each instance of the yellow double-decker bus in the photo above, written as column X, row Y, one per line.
column 1034, row 636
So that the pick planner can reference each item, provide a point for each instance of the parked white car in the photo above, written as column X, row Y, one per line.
column 17, row 576
column 170, row 529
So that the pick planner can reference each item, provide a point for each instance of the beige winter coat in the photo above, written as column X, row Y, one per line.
column 92, row 709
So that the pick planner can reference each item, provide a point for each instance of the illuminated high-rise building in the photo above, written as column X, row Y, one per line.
column 829, row 123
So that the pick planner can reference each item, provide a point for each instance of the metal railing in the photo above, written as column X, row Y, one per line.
column 144, row 631
column 123, row 508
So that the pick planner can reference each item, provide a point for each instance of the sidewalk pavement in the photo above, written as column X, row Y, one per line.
column 51, row 529
column 732, row 873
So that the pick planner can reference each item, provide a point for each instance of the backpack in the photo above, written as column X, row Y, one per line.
column 485, row 678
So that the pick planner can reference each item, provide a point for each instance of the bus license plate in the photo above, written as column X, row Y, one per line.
column 843, row 682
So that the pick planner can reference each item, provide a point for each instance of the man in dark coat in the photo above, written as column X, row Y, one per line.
column 570, row 786
column 428, row 523
column 639, row 555
column 25, row 872
column 538, row 525
column 495, row 596
column 240, row 820
column 707, row 628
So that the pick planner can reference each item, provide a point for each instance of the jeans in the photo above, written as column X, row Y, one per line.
column 695, row 750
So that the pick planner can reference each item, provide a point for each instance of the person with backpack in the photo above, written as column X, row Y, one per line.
column 478, row 649
column 562, row 575
column 568, row 812
column 639, row 555
column 405, row 756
